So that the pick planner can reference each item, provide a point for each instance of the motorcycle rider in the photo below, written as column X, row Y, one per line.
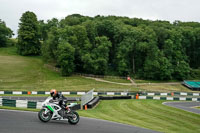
column 58, row 96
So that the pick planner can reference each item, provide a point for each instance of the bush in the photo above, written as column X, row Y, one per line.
column 195, row 73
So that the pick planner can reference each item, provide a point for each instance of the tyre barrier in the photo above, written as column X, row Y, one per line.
column 103, row 93
column 114, row 97
column 76, row 107
column 20, row 103
column 150, row 97
column 121, row 97
column 28, row 104
column 93, row 103
column 170, row 98
column 106, row 97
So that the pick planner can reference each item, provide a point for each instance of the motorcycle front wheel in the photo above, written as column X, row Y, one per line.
column 73, row 118
column 44, row 117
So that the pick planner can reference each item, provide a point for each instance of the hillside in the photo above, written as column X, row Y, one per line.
column 29, row 73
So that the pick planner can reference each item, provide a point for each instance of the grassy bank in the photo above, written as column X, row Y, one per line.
column 149, row 114
column 28, row 73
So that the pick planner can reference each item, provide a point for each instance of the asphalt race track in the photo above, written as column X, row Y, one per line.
column 187, row 106
column 28, row 122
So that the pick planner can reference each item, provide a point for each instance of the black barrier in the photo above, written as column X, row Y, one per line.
column 92, row 103
column 114, row 97
column 149, row 97
column 32, row 104
column 76, row 107
column 8, row 102
column 176, row 98
column 8, row 92
column 188, row 99
column 121, row 97
column 105, row 98
column 41, row 92
column 163, row 98
column 24, row 92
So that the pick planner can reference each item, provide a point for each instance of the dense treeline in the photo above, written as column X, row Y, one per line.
column 122, row 46
column 113, row 45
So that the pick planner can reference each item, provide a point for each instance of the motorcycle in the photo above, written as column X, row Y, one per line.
column 52, row 111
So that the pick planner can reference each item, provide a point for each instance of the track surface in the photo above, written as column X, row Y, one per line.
column 28, row 122
column 187, row 106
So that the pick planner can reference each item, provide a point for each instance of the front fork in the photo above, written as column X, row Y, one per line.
column 46, row 110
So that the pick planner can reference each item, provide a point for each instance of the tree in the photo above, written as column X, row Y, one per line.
column 28, row 35
column 196, row 46
column 49, row 47
column 74, row 19
column 77, row 36
column 5, row 34
column 176, row 54
column 66, row 58
column 91, row 28
column 42, row 30
column 96, row 61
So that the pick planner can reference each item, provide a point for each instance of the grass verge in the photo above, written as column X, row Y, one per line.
column 149, row 114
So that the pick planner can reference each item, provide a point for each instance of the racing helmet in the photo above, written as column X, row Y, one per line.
column 53, row 92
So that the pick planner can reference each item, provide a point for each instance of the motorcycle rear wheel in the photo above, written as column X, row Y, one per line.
column 74, row 119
